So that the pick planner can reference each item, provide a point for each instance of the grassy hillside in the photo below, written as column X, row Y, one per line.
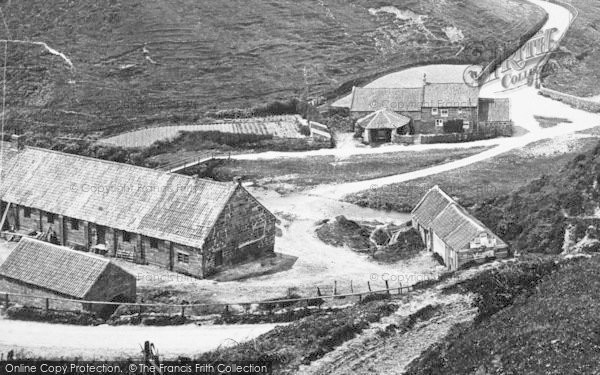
column 553, row 331
column 149, row 62
column 579, row 55
column 532, row 218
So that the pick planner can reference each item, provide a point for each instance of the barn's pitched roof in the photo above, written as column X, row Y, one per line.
column 449, row 221
column 366, row 99
column 494, row 110
column 450, row 95
column 383, row 119
column 56, row 268
column 140, row 200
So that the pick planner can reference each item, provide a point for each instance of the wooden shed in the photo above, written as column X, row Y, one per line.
column 450, row 231
column 42, row 269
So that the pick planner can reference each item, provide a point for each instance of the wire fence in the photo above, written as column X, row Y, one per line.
column 324, row 295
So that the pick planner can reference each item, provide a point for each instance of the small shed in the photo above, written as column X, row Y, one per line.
column 379, row 126
column 39, row 268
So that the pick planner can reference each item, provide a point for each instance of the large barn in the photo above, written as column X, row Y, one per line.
column 450, row 231
column 185, row 224
column 42, row 269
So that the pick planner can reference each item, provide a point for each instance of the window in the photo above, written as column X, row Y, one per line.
column 183, row 258
column 154, row 243
column 74, row 224
column 460, row 111
column 126, row 236
column 27, row 212
column 466, row 125
column 50, row 217
column 444, row 113
column 434, row 111
column 439, row 122
column 219, row 258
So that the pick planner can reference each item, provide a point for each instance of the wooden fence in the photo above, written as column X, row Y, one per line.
column 322, row 294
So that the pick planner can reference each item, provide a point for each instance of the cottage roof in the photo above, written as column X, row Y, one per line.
column 494, row 110
column 56, row 268
column 449, row 221
column 153, row 203
column 450, row 95
column 366, row 99
column 383, row 119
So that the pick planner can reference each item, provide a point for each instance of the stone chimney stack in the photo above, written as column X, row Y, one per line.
column 17, row 141
column 237, row 180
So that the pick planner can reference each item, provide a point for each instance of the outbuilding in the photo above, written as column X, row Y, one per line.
column 450, row 231
column 38, row 268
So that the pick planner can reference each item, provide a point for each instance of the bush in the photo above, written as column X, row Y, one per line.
column 51, row 316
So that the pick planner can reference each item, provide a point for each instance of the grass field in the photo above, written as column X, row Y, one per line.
column 288, row 174
column 579, row 56
column 478, row 182
column 155, row 62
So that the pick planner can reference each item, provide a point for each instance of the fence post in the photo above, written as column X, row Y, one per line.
column 387, row 287
column 319, row 292
column 351, row 288
column 47, row 304
column 6, row 300
column 183, row 311
column 334, row 287
column 369, row 285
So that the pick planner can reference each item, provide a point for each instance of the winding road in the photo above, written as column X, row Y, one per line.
column 322, row 201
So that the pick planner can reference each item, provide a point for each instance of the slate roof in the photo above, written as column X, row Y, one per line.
column 56, row 268
column 383, row 119
column 365, row 99
column 494, row 110
column 450, row 95
column 140, row 200
column 449, row 221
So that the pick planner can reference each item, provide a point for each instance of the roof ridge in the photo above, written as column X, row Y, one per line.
column 125, row 164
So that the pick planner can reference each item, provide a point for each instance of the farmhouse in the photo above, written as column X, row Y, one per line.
column 185, row 224
column 436, row 109
column 451, row 232
column 43, row 269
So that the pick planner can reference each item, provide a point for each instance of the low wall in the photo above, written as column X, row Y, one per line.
column 417, row 139
column 572, row 100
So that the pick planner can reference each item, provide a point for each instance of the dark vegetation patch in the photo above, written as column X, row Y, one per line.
column 306, row 340
column 140, row 63
column 551, row 329
column 549, row 122
column 533, row 218
column 579, row 55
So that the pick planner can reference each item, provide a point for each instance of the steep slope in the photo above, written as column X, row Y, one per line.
column 534, row 218
column 138, row 63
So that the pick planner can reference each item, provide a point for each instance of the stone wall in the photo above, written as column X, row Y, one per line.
column 244, row 231
column 573, row 101
column 11, row 286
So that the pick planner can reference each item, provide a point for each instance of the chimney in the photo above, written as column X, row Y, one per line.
column 17, row 141
column 237, row 180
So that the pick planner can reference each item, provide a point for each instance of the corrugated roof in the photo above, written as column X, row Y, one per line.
column 450, row 95
column 366, row 99
column 494, row 109
column 383, row 119
column 153, row 203
column 449, row 221
column 53, row 267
